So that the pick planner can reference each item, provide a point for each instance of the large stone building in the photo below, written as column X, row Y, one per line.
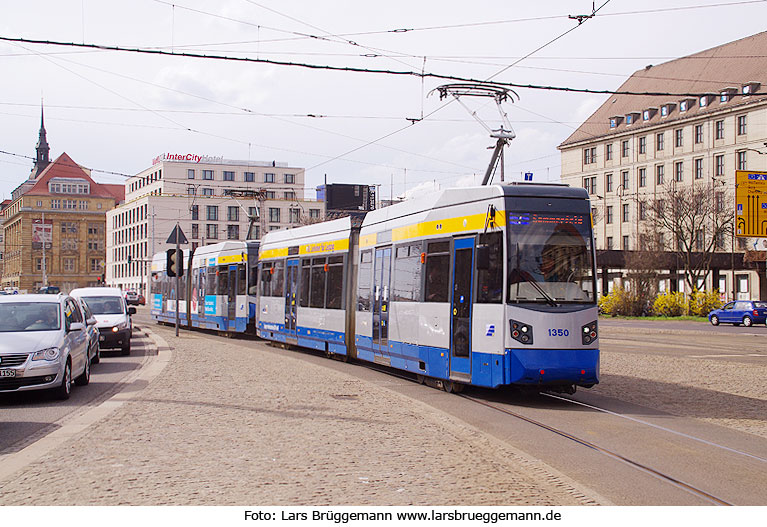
column 54, row 231
column 636, row 146
column 3, row 205
column 196, row 191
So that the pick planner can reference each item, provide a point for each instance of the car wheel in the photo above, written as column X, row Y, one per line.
column 64, row 390
column 85, row 378
column 97, row 356
column 126, row 348
column 714, row 320
column 747, row 321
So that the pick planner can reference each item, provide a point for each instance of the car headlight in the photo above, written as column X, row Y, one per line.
column 118, row 327
column 49, row 354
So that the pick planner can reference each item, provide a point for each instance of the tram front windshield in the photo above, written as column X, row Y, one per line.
column 550, row 258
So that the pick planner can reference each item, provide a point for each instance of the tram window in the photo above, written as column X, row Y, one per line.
column 241, row 274
column 363, row 286
column 335, row 277
column 253, row 281
column 490, row 280
column 181, row 287
column 210, row 281
column 266, row 279
column 223, row 281
column 437, row 287
column 303, row 290
column 278, row 279
column 317, row 297
column 406, row 286
column 154, row 286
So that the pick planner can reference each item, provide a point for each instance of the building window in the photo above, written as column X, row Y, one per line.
column 608, row 182
column 642, row 177
column 207, row 174
column 233, row 214
column 252, row 212
column 295, row 215
column 624, row 148
column 274, row 215
column 609, row 243
column 679, row 171
column 698, row 134
column 741, row 155
column 268, row 178
column 70, row 265
column 660, row 172
column 250, row 177
column 642, row 210
column 678, row 138
column 625, row 180
column 590, row 184
column 608, row 152
column 211, row 231
column 589, row 156
column 625, row 243
column 660, row 141
column 719, row 129
column 719, row 164
column 742, row 125
column 609, row 214
column 195, row 209
column 699, row 168
column 290, row 178
column 94, row 265
column 195, row 231
column 290, row 196
column 228, row 175
column 232, row 232
column 190, row 190
column 643, row 145
column 719, row 203
column 270, row 194
column 625, row 213
column 314, row 213
column 212, row 212
column 190, row 173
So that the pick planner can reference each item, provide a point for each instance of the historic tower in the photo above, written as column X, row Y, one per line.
column 43, row 150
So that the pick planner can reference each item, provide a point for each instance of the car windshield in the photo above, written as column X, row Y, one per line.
column 29, row 316
column 104, row 305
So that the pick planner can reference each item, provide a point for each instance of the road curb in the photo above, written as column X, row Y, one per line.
column 12, row 463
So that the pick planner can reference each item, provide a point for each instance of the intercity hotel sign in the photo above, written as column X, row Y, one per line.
column 187, row 158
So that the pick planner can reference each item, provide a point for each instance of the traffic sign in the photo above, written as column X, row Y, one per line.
column 750, row 204
column 177, row 236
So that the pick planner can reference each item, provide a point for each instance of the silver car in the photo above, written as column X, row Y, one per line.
column 94, row 348
column 43, row 344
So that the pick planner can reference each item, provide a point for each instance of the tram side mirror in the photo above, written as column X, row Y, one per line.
column 483, row 257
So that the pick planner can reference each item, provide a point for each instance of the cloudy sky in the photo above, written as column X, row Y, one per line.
column 115, row 111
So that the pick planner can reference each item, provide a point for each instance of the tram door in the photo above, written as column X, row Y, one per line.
column 460, row 327
column 381, row 282
column 231, row 299
column 291, row 288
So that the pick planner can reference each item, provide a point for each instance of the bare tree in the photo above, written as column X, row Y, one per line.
column 642, row 270
column 692, row 222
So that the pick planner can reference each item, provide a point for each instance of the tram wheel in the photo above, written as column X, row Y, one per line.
column 452, row 387
column 420, row 378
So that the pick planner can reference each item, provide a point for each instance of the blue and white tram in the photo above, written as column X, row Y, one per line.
column 218, row 289
column 162, row 292
column 305, row 285
column 223, row 286
column 486, row 286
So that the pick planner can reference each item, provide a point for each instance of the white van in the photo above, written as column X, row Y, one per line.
column 113, row 316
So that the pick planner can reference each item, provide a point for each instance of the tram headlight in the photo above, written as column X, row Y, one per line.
column 521, row 332
column 589, row 333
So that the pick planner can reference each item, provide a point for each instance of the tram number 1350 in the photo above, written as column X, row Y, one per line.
column 559, row 333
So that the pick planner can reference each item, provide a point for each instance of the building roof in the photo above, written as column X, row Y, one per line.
column 118, row 191
column 712, row 71
column 65, row 167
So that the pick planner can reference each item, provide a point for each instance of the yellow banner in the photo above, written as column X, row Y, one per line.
column 324, row 247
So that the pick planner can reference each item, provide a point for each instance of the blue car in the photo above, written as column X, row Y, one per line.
column 744, row 312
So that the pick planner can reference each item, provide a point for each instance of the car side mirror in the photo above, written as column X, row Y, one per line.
column 131, row 310
column 91, row 321
column 76, row 326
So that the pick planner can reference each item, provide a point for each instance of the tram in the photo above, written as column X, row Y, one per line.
column 217, row 291
column 485, row 286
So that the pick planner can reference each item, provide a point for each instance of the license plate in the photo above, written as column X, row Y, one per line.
column 7, row 373
column 101, row 338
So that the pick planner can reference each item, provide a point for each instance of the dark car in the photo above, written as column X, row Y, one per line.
column 141, row 299
column 49, row 290
column 746, row 312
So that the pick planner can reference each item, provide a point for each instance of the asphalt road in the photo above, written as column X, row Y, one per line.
column 27, row 416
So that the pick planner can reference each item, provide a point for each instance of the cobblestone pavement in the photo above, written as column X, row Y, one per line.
column 230, row 424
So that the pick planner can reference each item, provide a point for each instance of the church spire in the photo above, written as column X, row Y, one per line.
column 42, row 159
